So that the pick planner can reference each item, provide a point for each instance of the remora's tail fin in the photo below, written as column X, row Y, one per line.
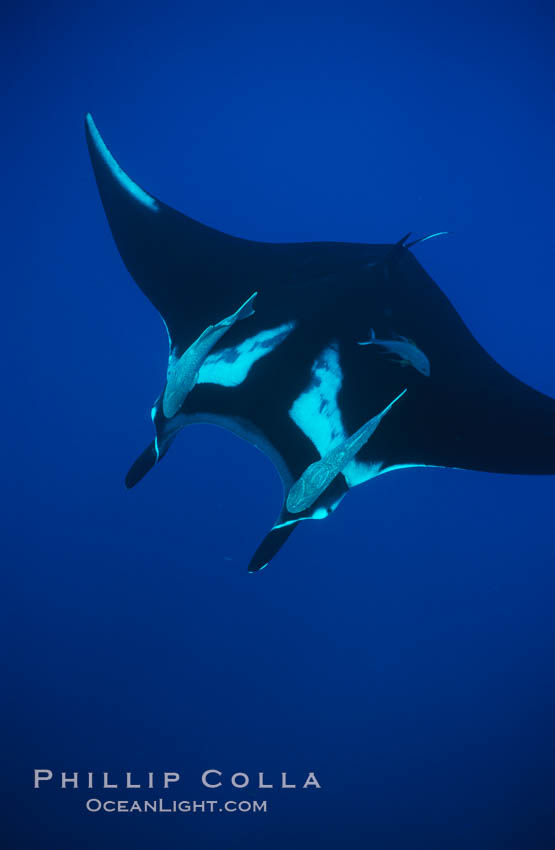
column 246, row 309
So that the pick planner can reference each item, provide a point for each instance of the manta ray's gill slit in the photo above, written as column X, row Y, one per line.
column 117, row 171
column 230, row 366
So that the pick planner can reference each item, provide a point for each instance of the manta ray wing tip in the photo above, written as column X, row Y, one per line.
column 107, row 169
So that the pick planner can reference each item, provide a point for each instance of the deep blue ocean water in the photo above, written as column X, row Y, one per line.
column 404, row 648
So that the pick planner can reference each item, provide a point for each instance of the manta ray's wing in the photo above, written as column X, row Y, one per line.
column 183, row 267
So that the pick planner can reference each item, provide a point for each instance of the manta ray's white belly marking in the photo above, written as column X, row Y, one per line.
column 317, row 414
column 230, row 366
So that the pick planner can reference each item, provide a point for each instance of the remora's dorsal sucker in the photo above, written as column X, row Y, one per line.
column 183, row 373
column 319, row 475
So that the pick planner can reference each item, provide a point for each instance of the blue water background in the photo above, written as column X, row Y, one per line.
column 404, row 648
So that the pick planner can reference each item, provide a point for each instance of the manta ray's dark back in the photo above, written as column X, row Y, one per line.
column 293, row 378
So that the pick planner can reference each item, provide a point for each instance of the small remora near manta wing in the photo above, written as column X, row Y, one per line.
column 404, row 351
column 183, row 373
column 470, row 413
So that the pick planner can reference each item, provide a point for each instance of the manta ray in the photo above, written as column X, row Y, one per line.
column 264, row 341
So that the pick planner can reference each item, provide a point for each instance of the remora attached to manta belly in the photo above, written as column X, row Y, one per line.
column 293, row 379
column 320, row 474
column 183, row 372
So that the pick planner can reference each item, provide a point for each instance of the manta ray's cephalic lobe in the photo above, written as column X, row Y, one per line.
column 291, row 377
